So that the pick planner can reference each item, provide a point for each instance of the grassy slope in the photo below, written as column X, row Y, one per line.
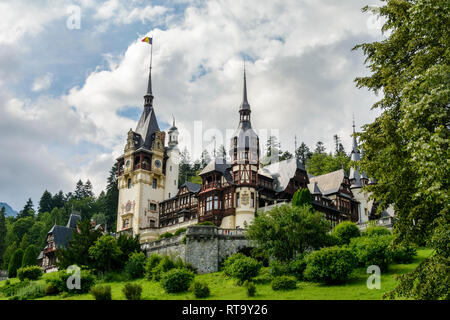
column 223, row 288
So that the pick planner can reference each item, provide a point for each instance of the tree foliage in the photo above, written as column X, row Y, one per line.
column 288, row 230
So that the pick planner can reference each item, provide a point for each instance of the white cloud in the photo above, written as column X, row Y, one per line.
column 300, row 81
column 42, row 83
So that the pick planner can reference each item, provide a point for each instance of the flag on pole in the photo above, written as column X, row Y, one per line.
column 147, row 39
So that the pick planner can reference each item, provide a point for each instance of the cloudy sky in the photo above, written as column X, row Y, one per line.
column 73, row 75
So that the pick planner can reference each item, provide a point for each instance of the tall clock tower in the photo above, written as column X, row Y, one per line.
column 244, row 153
column 142, row 175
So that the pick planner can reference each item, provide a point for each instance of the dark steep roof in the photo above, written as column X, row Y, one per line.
column 73, row 220
column 282, row 172
column 146, row 127
column 61, row 235
column 192, row 187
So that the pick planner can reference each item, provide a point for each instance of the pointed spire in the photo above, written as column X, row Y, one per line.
column 245, row 104
column 148, row 98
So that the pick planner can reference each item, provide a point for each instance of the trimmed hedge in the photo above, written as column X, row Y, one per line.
column 284, row 283
column 330, row 265
column 59, row 280
column 101, row 292
column 345, row 231
column 200, row 289
column 132, row 291
column 294, row 268
column 30, row 273
column 242, row 268
column 177, row 280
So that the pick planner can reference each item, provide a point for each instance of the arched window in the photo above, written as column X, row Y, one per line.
column 129, row 183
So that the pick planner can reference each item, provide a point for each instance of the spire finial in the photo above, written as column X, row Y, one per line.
column 148, row 98
column 173, row 121
column 353, row 122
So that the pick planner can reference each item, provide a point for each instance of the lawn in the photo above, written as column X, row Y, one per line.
column 223, row 288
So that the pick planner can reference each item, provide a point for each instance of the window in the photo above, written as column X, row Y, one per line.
column 252, row 199
column 170, row 168
column 126, row 223
column 152, row 223
column 237, row 199
column 209, row 203
column 155, row 182
column 175, row 182
column 169, row 194
column 216, row 202
column 129, row 183
column 153, row 206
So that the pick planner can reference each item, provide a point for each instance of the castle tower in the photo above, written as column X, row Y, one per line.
column 172, row 163
column 244, row 154
column 141, row 176
column 354, row 176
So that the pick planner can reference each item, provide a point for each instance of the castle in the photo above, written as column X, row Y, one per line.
column 150, row 202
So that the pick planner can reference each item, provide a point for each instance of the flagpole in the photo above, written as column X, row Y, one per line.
column 151, row 54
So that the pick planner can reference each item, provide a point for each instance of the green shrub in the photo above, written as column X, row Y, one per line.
column 15, row 263
column 10, row 289
column 373, row 231
column 251, row 288
column 177, row 280
column 101, row 292
column 294, row 268
column 30, row 273
column 151, row 263
column 51, row 289
column 59, row 279
column 165, row 235
column 163, row 266
column 284, row 283
column 330, row 265
column 113, row 276
column 200, row 289
column 135, row 266
column 230, row 260
column 132, row 291
column 345, row 231
column 29, row 256
column 243, row 268
column 179, row 231
column 206, row 223
column 372, row 251
column 33, row 290
column 402, row 253
column 260, row 255
column 183, row 240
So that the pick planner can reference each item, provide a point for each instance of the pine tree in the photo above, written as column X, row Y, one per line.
column 3, row 231
column 79, row 190
column 320, row 148
column 303, row 153
column 27, row 210
column 205, row 159
column 58, row 200
column 77, row 250
column 87, row 190
column 111, row 198
column 15, row 263
column 222, row 152
column 29, row 256
column 185, row 167
column 25, row 242
column 46, row 203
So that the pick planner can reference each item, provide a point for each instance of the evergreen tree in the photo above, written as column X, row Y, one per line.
column 302, row 197
column 77, row 250
column 30, row 256
column 69, row 196
column 303, row 153
column 3, row 231
column 111, row 198
column 15, row 263
column 27, row 210
column 185, row 169
column 286, row 155
column 87, row 190
column 58, row 200
column 273, row 147
column 9, row 251
column 320, row 148
column 79, row 190
column 25, row 242
column 46, row 203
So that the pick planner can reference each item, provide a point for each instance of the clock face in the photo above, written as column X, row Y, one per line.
column 127, row 163
column 157, row 163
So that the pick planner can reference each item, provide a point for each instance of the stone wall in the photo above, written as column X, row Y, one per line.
column 206, row 246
